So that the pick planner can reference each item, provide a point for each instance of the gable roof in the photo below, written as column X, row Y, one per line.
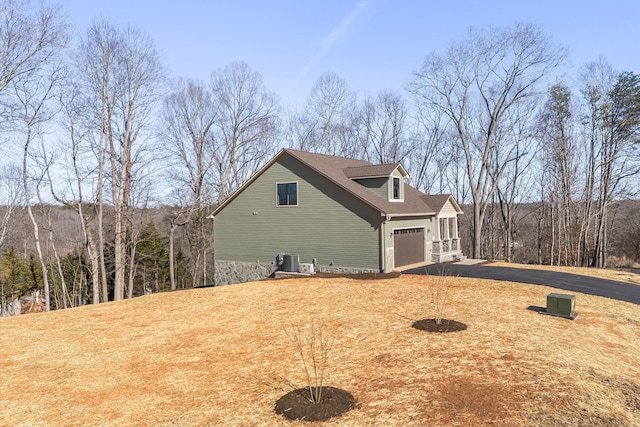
column 437, row 201
column 341, row 170
column 373, row 171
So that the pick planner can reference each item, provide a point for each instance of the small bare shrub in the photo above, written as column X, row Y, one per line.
column 439, row 296
column 313, row 349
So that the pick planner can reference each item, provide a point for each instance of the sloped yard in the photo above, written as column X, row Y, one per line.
column 219, row 356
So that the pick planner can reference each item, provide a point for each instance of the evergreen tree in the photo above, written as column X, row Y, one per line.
column 153, row 258
column 16, row 279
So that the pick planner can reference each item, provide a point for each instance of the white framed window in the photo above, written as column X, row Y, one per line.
column 396, row 188
column 397, row 192
column 287, row 194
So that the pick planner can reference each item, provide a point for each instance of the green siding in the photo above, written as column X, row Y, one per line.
column 380, row 186
column 328, row 224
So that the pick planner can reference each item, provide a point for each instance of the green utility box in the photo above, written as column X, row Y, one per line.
column 290, row 263
column 561, row 305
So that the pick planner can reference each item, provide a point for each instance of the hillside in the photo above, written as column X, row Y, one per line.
column 623, row 234
column 220, row 356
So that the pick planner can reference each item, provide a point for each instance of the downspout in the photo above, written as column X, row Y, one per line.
column 383, row 245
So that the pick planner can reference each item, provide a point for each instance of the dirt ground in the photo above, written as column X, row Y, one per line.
column 220, row 356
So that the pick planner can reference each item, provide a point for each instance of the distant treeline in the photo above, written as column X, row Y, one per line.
column 70, row 272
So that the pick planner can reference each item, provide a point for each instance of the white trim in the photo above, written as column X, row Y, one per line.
column 297, row 194
column 399, row 168
column 403, row 171
column 409, row 228
column 370, row 176
column 431, row 214
column 454, row 204
column 390, row 194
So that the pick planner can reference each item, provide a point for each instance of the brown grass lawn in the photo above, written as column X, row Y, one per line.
column 219, row 356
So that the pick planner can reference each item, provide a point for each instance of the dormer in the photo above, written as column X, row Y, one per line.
column 386, row 180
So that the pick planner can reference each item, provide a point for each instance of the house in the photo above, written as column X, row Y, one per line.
column 340, row 214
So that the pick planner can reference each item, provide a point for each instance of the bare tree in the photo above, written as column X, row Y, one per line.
column 613, row 118
column 559, row 154
column 300, row 131
column 31, row 35
column 515, row 182
column 246, row 128
column 94, row 63
column 12, row 194
column 123, row 71
column 331, row 120
column 429, row 158
column 385, row 135
column 30, row 73
column 475, row 84
column 34, row 94
column 81, row 168
column 135, row 226
column 187, row 123
column 44, row 162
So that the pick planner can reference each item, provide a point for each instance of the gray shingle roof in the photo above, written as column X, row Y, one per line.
column 370, row 171
column 340, row 170
column 435, row 201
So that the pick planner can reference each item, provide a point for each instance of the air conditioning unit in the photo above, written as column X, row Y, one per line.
column 307, row 268
column 290, row 263
column 561, row 305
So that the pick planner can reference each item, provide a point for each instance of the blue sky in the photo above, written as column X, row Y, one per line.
column 372, row 44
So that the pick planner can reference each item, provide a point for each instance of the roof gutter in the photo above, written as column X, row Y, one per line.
column 369, row 176
column 389, row 216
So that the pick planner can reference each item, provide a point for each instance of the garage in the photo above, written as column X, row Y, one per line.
column 408, row 246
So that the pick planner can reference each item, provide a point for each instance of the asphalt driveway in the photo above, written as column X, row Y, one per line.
column 571, row 282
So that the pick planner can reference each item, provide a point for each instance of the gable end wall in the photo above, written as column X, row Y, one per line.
column 448, row 211
column 328, row 224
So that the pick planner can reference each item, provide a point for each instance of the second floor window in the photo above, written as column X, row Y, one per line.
column 288, row 194
column 396, row 188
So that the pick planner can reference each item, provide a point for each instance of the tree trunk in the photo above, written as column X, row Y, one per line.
column 63, row 282
column 132, row 270
column 119, row 256
column 172, row 273
column 36, row 232
column 100, row 254
column 477, row 232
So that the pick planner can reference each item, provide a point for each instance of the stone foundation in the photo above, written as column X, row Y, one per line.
column 447, row 256
column 228, row 272
column 344, row 270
